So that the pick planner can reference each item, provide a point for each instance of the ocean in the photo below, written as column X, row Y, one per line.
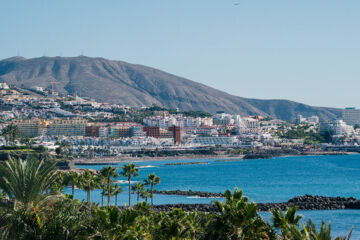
column 262, row 180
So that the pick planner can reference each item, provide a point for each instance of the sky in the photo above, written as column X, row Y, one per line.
column 302, row 50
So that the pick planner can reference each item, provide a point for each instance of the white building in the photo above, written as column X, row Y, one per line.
column 177, row 120
column 224, row 119
column 338, row 127
column 4, row 86
column 313, row 119
column 103, row 132
column 300, row 119
column 38, row 89
column 212, row 141
column 351, row 116
column 341, row 128
column 247, row 125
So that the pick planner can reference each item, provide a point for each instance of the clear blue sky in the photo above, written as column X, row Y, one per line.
column 302, row 50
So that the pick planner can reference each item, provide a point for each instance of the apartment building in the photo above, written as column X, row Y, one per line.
column 61, row 127
column 57, row 127
column 165, row 122
column 351, row 116
column 31, row 128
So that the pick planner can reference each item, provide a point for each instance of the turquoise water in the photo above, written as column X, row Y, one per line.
column 263, row 180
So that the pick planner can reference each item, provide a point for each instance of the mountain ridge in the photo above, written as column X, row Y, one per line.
column 139, row 86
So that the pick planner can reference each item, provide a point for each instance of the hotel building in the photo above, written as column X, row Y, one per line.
column 351, row 116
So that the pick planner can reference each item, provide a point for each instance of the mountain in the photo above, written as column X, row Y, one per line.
column 137, row 85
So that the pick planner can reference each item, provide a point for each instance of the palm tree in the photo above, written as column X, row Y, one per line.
column 102, row 186
column 237, row 219
column 59, row 183
column 138, row 188
column 89, row 181
column 152, row 181
column 324, row 234
column 25, row 181
column 129, row 170
column 108, row 173
column 145, row 194
column 103, row 194
column 172, row 224
column 72, row 179
column 287, row 222
column 195, row 223
column 117, row 190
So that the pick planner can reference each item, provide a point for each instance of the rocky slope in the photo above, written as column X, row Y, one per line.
column 136, row 85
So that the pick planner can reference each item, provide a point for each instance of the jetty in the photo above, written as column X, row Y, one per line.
column 307, row 202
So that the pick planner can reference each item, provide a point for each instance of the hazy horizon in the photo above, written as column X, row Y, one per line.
column 301, row 51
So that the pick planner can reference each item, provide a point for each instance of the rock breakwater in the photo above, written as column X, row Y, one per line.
column 190, row 193
column 307, row 202
column 272, row 153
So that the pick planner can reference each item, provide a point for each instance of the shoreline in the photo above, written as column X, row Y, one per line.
column 116, row 160
column 220, row 158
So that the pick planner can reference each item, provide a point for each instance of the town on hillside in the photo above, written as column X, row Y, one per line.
column 91, row 129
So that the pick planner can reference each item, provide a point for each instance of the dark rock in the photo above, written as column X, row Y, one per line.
column 306, row 202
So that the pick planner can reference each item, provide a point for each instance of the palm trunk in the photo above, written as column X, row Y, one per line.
column 102, row 199
column 129, row 191
column 108, row 203
column 138, row 196
column 72, row 190
column 152, row 196
column 115, row 199
column 88, row 196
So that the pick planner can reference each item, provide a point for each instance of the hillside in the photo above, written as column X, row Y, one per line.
column 137, row 85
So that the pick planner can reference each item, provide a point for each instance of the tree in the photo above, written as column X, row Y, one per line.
column 128, row 171
column 11, row 132
column 117, row 190
column 28, row 142
column 108, row 173
column 152, row 181
column 237, row 219
column 195, row 224
column 65, row 148
column 145, row 194
column 102, row 185
column 286, row 222
column 58, row 151
column 24, row 181
column 89, row 181
column 172, row 225
column 138, row 188
column 66, row 219
column 324, row 234
column 327, row 135
column 59, row 183
column 103, row 194
column 72, row 179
